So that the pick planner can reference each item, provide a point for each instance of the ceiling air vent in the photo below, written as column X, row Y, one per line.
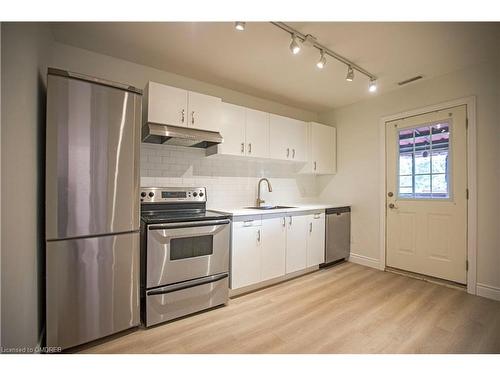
column 410, row 80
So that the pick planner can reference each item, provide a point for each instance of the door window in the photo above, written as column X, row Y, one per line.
column 424, row 159
column 190, row 247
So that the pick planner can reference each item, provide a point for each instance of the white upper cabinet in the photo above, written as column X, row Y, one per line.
column 165, row 105
column 232, row 129
column 316, row 239
column 245, row 132
column 173, row 106
column 257, row 133
column 322, row 149
column 287, row 138
column 204, row 111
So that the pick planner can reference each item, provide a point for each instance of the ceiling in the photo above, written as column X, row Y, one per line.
column 257, row 61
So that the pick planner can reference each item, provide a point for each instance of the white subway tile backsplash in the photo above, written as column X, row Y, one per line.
column 229, row 182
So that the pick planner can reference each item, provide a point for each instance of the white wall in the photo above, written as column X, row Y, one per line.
column 229, row 182
column 102, row 66
column 25, row 49
column 359, row 158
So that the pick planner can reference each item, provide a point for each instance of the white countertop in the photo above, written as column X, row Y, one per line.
column 241, row 211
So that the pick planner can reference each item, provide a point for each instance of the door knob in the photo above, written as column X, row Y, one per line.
column 390, row 194
column 392, row 206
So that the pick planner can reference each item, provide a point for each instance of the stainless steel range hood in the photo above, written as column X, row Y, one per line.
column 179, row 136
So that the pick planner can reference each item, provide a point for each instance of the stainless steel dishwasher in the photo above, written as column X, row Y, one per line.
column 338, row 234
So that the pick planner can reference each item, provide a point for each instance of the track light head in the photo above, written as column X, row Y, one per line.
column 372, row 86
column 322, row 60
column 239, row 25
column 350, row 74
column 295, row 45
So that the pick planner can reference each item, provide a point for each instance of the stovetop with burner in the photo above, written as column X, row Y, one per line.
column 174, row 204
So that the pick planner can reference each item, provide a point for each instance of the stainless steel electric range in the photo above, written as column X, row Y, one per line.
column 184, row 254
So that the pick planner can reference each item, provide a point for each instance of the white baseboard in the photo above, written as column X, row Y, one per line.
column 488, row 291
column 364, row 260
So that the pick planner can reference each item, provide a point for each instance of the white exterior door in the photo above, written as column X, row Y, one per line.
column 426, row 194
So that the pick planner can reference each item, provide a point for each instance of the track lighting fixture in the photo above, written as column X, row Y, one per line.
column 295, row 45
column 308, row 40
column 350, row 74
column 322, row 60
column 240, row 26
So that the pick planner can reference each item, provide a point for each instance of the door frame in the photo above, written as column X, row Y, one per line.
column 470, row 103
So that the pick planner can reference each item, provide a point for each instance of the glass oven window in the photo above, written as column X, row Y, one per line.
column 191, row 247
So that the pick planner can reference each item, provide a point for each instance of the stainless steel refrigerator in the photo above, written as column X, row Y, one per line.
column 92, row 208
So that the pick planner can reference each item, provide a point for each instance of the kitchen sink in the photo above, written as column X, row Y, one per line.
column 269, row 207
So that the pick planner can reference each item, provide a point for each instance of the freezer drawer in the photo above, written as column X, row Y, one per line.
column 338, row 234
column 92, row 288
column 174, row 301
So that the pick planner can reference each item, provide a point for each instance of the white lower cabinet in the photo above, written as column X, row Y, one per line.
column 273, row 248
column 296, row 243
column 246, row 254
column 316, row 239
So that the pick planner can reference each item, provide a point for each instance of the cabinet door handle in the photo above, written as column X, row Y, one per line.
column 287, row 152
column 249, row 148
column 192, row 117
column 293, row 153
column 182, row 116
column 284, row 221
column 248, row 223
column 290, row 221
column 310, row 227
column 317, row 216
column 314, row 165
column 242, row 147
column 258, row 235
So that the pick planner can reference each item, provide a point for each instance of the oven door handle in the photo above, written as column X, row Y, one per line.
column 187, row 284
column 190, row 224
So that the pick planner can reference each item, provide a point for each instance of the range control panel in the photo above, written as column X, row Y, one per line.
column 172, row 194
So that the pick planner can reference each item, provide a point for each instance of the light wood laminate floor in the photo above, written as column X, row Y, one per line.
column 345, row 309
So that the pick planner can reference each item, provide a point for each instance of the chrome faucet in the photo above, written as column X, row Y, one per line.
column 269, row 188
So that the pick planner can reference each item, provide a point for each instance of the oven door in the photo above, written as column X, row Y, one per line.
column 184, row 251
